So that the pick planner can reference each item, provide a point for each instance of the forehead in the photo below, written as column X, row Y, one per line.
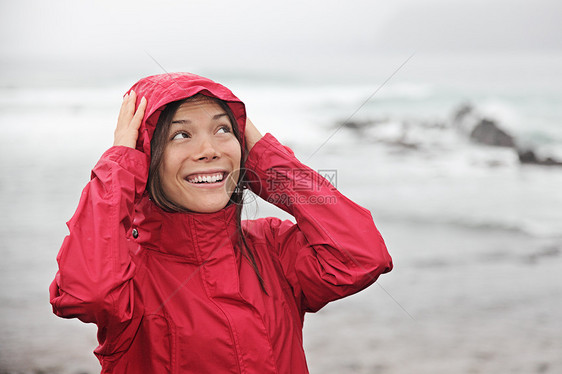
column 199, row 107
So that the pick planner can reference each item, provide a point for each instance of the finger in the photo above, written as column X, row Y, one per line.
column 139, row 114
column 130, row 106
column 122, row 109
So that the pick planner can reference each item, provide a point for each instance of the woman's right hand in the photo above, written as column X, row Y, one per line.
column 129, row 121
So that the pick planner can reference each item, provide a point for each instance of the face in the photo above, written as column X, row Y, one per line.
column 201, row 160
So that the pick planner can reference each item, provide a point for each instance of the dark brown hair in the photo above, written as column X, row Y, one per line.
column 154, row 185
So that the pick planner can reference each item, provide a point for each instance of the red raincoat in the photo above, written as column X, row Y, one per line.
column 170, row 292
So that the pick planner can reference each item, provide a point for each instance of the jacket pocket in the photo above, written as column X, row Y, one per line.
column 160, row 353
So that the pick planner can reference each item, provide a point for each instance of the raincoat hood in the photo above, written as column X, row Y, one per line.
column 160, row 90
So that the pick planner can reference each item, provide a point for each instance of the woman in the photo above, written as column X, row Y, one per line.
column 158, row 258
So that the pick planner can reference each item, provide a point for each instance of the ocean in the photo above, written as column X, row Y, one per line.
column 475, row 235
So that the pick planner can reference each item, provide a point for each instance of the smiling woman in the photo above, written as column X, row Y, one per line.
column 196, row 157
column 159, row 259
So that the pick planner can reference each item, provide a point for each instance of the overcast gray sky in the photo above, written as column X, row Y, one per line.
column 66, row 28
column 262, row 33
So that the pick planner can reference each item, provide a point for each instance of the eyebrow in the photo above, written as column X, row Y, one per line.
column 187, row 121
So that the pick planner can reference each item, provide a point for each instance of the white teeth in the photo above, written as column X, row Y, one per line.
column 212, row 178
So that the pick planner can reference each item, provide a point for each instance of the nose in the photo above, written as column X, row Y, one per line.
column 206, row 150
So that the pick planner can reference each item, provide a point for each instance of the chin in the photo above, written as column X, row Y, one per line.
column 211, row 207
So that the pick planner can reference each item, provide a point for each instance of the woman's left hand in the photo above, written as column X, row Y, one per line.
column 252, row 134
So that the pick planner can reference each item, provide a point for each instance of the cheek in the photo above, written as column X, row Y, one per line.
column 168, row 169
column 165, row 180
column 235, row 153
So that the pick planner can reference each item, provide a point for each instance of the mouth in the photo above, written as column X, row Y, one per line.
column 207, row 178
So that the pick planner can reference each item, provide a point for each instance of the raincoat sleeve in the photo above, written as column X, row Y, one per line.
column 334, row 250
column 93, row 282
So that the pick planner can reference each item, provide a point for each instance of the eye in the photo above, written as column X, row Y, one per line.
column 180, row 135
column 224, row 129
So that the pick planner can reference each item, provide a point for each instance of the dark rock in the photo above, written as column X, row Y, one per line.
column 360, row 124
column 549, row 161
column 488, row 132
column 356, row 125
column 352, row 125
column 529, row 157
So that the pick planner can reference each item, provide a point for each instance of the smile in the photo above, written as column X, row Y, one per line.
column 206, row 178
